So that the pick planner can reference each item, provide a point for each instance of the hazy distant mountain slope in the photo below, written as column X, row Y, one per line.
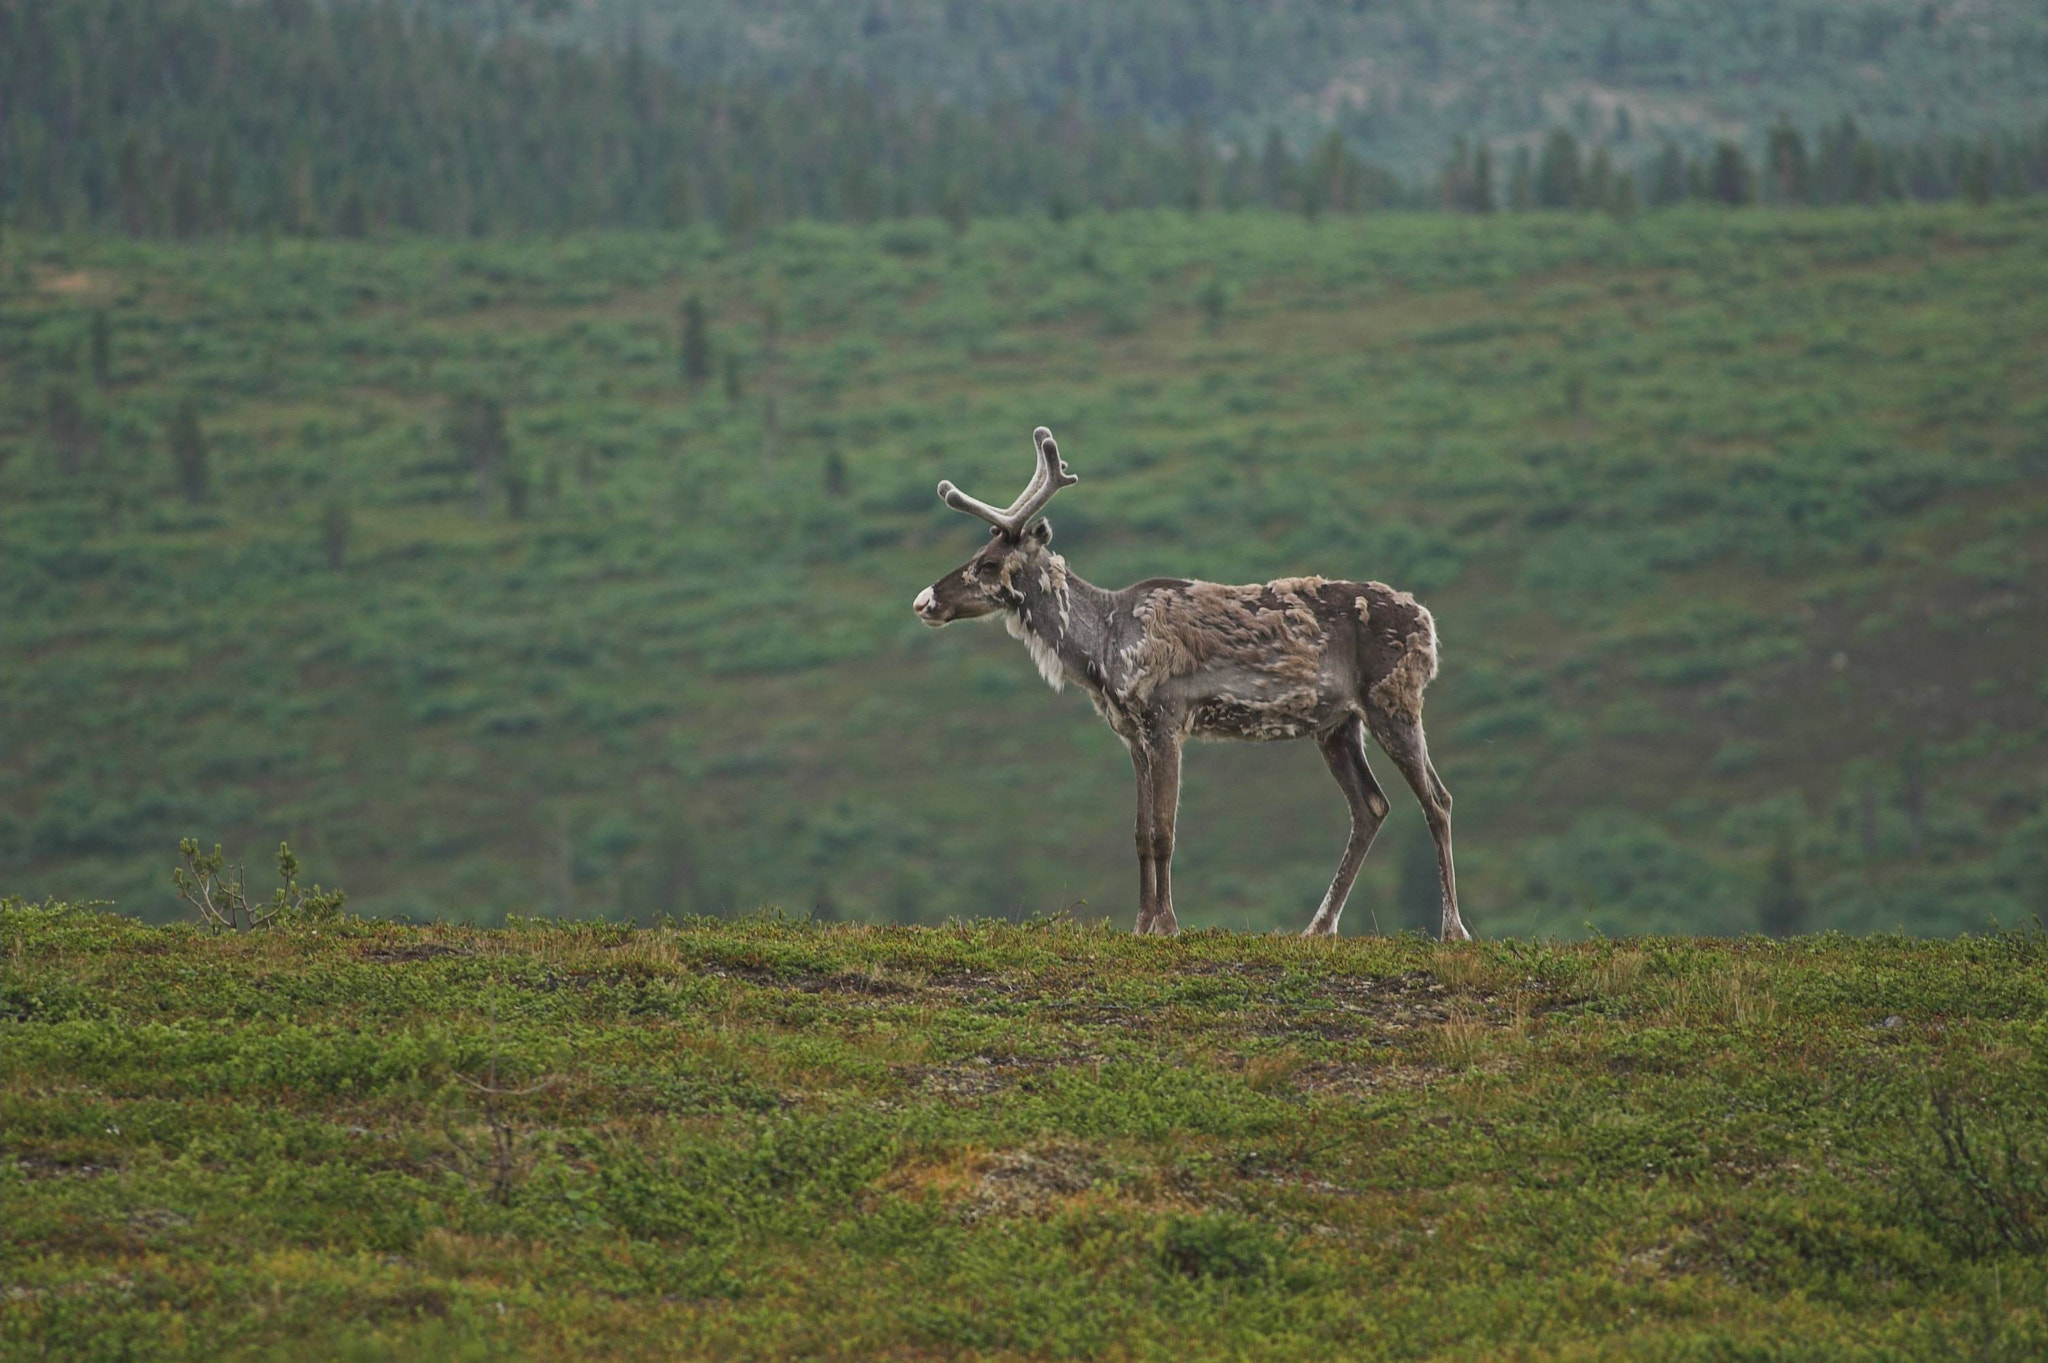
column 1401, row 76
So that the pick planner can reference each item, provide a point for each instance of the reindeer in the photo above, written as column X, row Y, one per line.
column 1168, row 659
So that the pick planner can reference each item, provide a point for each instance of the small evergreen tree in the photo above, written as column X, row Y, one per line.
column 742, row 209
column 1781, row 907
column 70, row 434
column 1482, row 180
column 1557, row 173
column 188, row 451
column 679, row 203
column 1668, row 184
column 1522, row 182
column 1597, row 191
column 220, row 192
column 1329, row 178
column 957, row 205
column 733, row 387
column 102, row 349
column 337, row 526
column 1979, row 175
column 1454, row 181
column 835, row 473
column 477, row 430
column 1866, row 174
column 518, row 490
column 1277, row 173
column 1788, row 165
column 1913, row 792
column 352, row 213
column 302, row 212
column 189, row 217
column 1622, row 203
column 131, row 190
column 696, row 356
column 1733, row 184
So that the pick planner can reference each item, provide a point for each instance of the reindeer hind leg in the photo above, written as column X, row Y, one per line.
column 1343, row 748
column 1400, row 736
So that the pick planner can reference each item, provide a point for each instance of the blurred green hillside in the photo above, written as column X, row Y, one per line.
column 1733, row 525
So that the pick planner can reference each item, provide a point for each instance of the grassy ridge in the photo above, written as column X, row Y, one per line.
column 757, row 1139
column 1733, row 526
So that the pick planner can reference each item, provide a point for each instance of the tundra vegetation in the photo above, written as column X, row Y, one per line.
column 448, row 563
column 342, row 1138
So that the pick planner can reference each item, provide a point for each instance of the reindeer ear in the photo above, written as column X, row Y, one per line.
column 1042, row 532
column 994, row 531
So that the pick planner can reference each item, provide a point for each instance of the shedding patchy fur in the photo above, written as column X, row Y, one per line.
column 1045, row 654
column 1270, row 630
column 1400, row 691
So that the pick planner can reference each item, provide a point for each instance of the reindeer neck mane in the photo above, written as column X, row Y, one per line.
column 1052, row 613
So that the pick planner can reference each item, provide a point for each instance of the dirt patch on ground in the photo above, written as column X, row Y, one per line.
column 423, row 951
column 1345, row 1078
column 38, row 1166
column 1029, row 1182
column 843, row 982
column 980, row 1075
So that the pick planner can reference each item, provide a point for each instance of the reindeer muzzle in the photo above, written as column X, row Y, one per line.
column 928, row 608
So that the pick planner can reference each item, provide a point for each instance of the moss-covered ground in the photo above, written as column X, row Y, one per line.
column 767, row 1139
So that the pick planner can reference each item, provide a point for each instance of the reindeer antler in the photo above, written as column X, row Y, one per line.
column 1047, row 479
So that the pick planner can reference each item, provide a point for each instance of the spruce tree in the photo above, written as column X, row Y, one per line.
column 102, row 349
column 70, row 435
column 1557, row 174
column 958, row 205
column 1668, row 183
column 220, row 192
column 1329, row 176
column 131, row 191
column 1597, row 191
column 477, row 430
column 696, row 357
column 1482, row 179
column 679, row 204
column 189, row 217
column 1978, row 174
column 1276, row 171
column 1788, row 166
column 1781, row 907
column 742, row 209
column 1522, row 182
column 337, row 527
column 1622, row 203
column 352, row 213
column 188, row 451
column 1733, row 184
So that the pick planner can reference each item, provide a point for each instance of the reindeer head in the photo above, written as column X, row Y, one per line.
column 987, row 582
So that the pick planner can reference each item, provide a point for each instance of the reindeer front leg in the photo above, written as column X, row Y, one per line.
column 1155, row 759
column 1165, row 808
column 1148, row 883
